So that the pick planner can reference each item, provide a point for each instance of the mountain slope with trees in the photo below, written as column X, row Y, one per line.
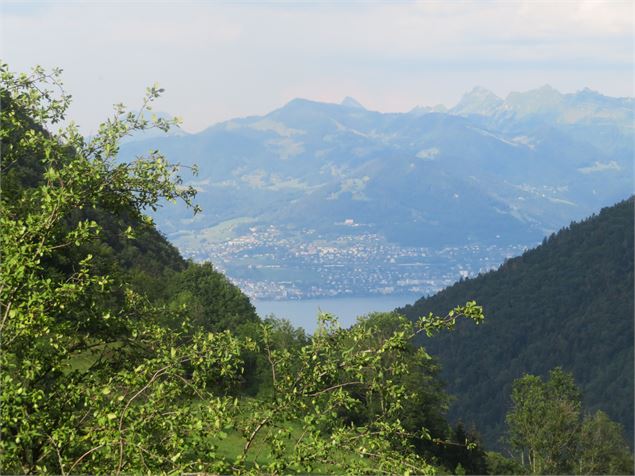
column 567, row 303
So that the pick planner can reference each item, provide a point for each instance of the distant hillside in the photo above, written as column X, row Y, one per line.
column 486, row 171
column 489, row 176
column 568, row 303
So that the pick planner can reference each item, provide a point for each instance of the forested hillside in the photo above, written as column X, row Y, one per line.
column 567, row 303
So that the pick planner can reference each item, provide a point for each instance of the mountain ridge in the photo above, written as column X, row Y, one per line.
column 417, row 179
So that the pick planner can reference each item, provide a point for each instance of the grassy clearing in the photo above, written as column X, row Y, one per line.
column 218, row 233
column 231, row 443
column 260, row 452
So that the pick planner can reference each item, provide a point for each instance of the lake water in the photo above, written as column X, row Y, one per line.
column 304, row 313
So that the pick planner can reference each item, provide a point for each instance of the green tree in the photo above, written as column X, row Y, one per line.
column 568, row 302
column 426, row 404
column 544, row 420
column 92, row 380
column 602, row 448
column 547, row 427
column 214, row 303
column 339, row 373
column 78, row 347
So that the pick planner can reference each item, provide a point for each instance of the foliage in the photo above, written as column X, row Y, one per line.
column 547, row 427
column 602, row 449
column 102, row 372
column 213, row 302
column 543, row 421
column 464, row 451
column 347, row 390
column 499, row 464
column 427, row 403
column 568, row 301
column 49, row 317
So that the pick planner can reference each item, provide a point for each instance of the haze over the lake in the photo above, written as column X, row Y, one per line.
column 219, row 61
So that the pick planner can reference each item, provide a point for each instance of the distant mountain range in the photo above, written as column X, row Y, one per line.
column 567, row 303
column 488, row 171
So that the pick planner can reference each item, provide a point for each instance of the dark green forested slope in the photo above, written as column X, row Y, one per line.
column 568, row 303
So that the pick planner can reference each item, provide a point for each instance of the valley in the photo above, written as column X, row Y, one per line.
column 271, row 263
column 319, row 200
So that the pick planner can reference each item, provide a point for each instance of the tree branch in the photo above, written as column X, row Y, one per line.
column 334, row 387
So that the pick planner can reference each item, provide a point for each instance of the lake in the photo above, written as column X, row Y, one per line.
column 304, row 313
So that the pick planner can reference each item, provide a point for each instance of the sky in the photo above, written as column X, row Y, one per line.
column 221, row 60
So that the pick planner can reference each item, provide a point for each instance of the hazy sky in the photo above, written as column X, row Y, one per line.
column 221, row 60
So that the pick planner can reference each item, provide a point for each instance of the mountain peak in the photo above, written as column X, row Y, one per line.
column 480, row 91
column 540, row 100
column 548, row 88
column 478, row 101
column 588, row 92
column 298, row 102
column 352, row 102
column 298, row 105
column 545, row 91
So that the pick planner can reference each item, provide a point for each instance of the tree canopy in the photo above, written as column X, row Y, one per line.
column 553, row 436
